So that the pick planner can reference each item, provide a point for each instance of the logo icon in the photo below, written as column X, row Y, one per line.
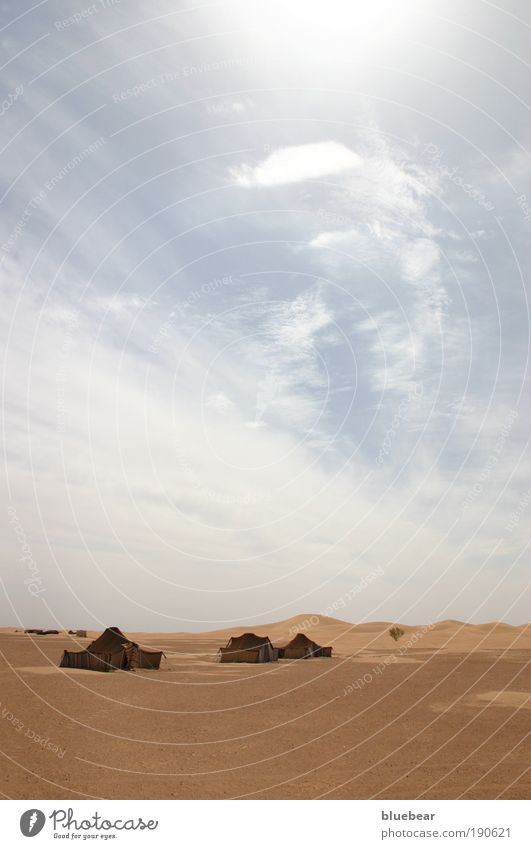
column 31, row 822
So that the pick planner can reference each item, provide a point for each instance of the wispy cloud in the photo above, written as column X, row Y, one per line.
column 380, row 218
column 285, row 340
column 419, row 257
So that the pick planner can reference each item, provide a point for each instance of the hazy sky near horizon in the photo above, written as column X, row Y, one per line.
column 265, row 326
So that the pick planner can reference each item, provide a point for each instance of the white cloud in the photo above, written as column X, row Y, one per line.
column 219, row 402
column 418, row 258
column 221, row 107
column 239, row 105
column 333, row 237
column 121, row 305
column 298, row 163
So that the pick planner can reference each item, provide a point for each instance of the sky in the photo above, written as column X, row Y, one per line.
column 265, row 321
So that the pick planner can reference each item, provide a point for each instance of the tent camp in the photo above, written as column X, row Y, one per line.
column 248, row 648
column 301, row 646
column 112, row 650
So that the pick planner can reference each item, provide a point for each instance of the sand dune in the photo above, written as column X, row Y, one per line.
column 345, row 637
column 443, row 713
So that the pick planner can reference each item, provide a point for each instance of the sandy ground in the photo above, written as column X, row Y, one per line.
column 444, row 713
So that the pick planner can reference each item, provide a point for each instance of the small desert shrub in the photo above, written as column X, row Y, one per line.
column 395, row 632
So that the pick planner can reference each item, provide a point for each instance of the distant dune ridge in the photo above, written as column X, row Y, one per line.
column 321, row 627
column 347, row 636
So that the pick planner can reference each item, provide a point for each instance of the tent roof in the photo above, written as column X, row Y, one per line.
column 111, row 640
column 248, row 641
column 302, row 641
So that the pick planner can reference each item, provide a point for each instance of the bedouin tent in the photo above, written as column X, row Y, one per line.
column 301, row 646
column 112, row 650
column 248, row 648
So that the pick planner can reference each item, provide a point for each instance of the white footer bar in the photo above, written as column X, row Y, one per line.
column 267, row 824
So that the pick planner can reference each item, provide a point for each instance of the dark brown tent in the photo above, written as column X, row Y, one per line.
column 112, row 639
column 112, row 650
column 301, row 647
column 103, row 662
column 248, row 648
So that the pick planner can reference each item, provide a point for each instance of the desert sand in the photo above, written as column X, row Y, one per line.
column 442, row 714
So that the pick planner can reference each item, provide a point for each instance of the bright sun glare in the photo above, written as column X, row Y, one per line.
column 358, row 27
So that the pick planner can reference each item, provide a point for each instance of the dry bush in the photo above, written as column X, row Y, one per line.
column 395, row 632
